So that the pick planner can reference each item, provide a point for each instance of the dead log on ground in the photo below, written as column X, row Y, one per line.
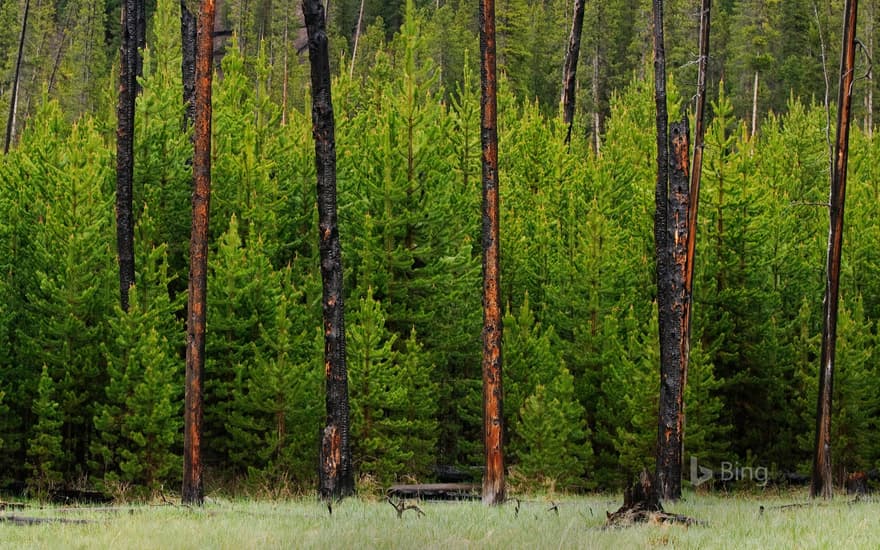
column 26, row 520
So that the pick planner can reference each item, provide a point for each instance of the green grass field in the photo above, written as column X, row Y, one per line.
column 789, row 521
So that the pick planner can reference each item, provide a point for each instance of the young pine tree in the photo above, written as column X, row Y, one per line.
column 44, row 453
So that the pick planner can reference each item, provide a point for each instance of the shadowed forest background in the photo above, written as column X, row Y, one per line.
column 90, row 395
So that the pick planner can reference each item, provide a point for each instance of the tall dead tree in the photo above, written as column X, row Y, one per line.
column 13, row 101
column 188, row 60
column 493, row 419
column 336, row 477
column 129, row 65
column 193, row 488
column 821, row 480
column 357, row 37
column 569, row 72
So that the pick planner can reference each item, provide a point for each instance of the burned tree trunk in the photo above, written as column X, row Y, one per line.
column 188, row 60
column 128, row 88
column 335, row 470
column 493, row 420
column 13, row 101
column 193, row 489
column 673, row 342
column 821, row 481
column 569, row 72
column 641, row 504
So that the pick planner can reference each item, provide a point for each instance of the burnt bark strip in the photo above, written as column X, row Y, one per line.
column 193, row 488
column 336, row 478
column 13, row 101
column 668, row 447
column 569, row 72
column 493, row 419
column 188, row 61
column 821, row 480
column 125, row 106
column 673, row 371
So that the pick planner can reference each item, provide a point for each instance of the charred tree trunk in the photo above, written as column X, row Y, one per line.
column 13, row 101
column 335, row 471
column 493, row 419
column 188, row 61
column 821, row 482
column 128, row 72
column 569, row 72
column 193, row 488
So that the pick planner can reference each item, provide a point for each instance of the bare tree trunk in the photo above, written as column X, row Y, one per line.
column 694, row 195
column 13, row 101
column 755, row 107
column 869, row 96
column 357, row 36
column 286, row 78
column 335, row 471
column 597, row 115
column 188, row 61
column 128, row 67
column 569, row 72
column 821, row 482
column 193, row 491
column 493, row 419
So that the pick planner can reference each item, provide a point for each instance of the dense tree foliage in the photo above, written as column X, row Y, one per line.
column 89, row 392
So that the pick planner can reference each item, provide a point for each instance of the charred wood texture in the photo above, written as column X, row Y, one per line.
column 13, row 101
column 822, row 482
column 641, row 504
column 188, row 61
column 193, row 488
column 569, row 73
column 673, row 343
column 130, row 64
column 493, row 419
column 336, row 477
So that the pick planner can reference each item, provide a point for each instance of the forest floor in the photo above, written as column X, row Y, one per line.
column 782, row 521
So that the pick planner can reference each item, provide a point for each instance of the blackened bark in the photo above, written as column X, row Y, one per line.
column 821, row 480
column 188, row 61
column 569, row 72
column 125, row 106
column 493, row 419
column 666, row 449
column 13, row 101
column 336, row 477
column 673, row 341
column 193, row 487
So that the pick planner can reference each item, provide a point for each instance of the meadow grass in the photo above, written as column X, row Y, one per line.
column 731, row 522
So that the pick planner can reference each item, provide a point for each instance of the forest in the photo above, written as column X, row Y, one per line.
column 91, row 394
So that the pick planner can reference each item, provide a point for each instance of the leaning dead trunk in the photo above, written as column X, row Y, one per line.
column 335, row 469
column 569, row 72
column 13, row 102
column 821, row 481
column 128, row 72
column 493, row 419
column 193, row 488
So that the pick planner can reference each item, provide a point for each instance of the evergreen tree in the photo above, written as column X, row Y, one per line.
column 45, row 454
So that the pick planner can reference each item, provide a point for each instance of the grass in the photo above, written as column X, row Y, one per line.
column 733, row 522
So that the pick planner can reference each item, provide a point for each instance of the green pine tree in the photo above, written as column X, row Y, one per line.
column 45, row 453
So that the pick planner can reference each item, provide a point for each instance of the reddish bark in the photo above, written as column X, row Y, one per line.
column 193, row 488
column 493, row 432
column 821, row 484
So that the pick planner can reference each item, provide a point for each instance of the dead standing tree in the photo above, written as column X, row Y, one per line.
column 675, row 217
column 129, row 67
column 335, row 469
column 821, row 480
column 188, row 60
column 493, row 420
column 193, row 488
column 569, row 72
column 13, row 102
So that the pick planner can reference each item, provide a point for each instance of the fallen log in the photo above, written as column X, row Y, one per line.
column 434, row 491
column 641, row 504
column 27, row 520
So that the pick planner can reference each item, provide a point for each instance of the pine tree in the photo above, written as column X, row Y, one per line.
column 45, row 454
